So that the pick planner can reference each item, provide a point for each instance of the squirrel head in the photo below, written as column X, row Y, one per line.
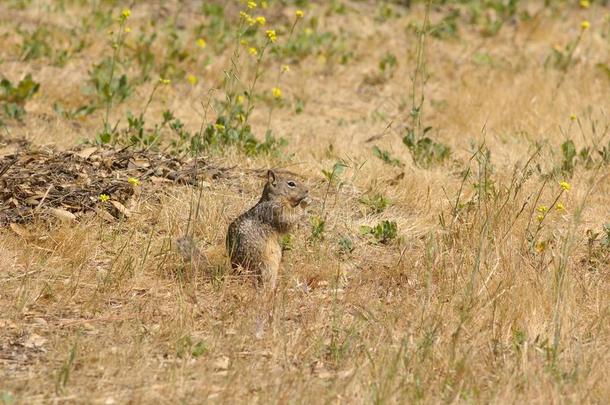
column 284, row 189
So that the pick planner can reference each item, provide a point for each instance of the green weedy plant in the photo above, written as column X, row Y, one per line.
column 143, row 53
column 175, row 53
column 563, row 58
column 105, row 85
column 7, row 398
column 35, row 44
column 585, row 157
column 425, row 152
column 376, row 203
column 232, row 127
column 216, row 27
column 13, row 98
column 388, row 65
column 64, row 372
column 384, row 232
column 186, row 347
column 332, row 46
column 386, row 157
column 332, row 177
column 448, row 27
column 136, row 133
column 606, row 240
column 318, row 224
column 346, row 245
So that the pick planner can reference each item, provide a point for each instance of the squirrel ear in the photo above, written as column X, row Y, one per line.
column 271, row 177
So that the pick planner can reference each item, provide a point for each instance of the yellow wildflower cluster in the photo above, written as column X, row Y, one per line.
column 585, row 25
column 277, row 92
column 104, row 197
column 585, row 3
column 201, row 43
column 133, row 181
column 247, row 18
column 565, row 185
column 299, row 13
column 164, row 81
column 271, row 35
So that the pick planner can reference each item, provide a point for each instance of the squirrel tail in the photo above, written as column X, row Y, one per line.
column 211, row 257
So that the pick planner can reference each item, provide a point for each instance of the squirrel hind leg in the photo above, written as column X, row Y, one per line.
column 270, row 268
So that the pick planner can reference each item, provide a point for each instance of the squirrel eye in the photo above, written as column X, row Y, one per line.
column 291, row 184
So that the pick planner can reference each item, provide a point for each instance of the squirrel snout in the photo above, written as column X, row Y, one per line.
column 305, row 202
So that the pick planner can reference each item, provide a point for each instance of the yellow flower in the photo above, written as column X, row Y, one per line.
column 264, row 4
column 133, row 181
column 127, row 30
column 125, row 14
column 560, row 206
column 285, row 68
column 104, row 197
column 164, row 81
column 253, row 51
column 247, row 17
column 585, row 25
column 251, row 4
column 201, row 43
column 540, row 246
column 565, row 185
column 543, row 209
column 277, row 92
column 261, row 20
column 244, row 42
column 308, row 31
column 192, row 79
column 271, row 35
column 219, row 127
column 299, row 13
column 539, row 217
column 584, row 3
column 240, row 99
column 573, row 117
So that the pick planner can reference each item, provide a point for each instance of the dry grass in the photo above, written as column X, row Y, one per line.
column 459, row 308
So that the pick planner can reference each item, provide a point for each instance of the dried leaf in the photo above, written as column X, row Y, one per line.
column 121, row 208
column 105, row 215
column 62, row 214
column 20, row 230
column 87, row 152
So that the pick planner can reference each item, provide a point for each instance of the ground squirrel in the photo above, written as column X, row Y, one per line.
column 253, row 238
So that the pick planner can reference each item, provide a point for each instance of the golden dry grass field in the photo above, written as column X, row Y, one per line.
column 457, row 249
